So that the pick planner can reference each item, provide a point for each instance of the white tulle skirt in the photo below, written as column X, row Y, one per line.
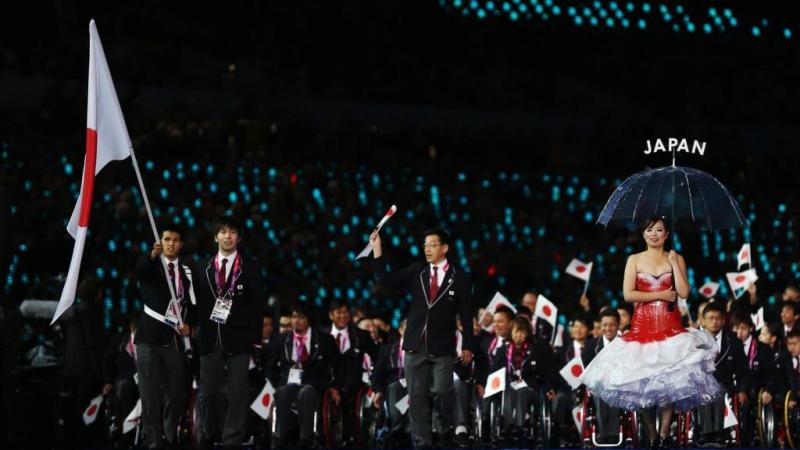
column 675, row 371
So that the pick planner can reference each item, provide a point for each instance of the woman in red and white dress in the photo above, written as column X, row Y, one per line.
column 658, row 363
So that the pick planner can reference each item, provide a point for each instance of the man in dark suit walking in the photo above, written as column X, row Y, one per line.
column 159, row 339
column 230, row 295
column 439, row 292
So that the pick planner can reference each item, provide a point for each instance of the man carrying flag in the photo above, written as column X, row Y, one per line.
column 159, row 347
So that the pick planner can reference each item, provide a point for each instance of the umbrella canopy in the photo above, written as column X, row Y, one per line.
column 689, row 198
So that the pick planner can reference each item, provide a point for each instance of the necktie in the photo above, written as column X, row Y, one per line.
column 132, row 349
column 434, row 285
column 171, row 270
column 339, row 342
column 221, row 276
column 302, row 353
column 797, row 365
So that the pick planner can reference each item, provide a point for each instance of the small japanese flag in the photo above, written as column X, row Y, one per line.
column 580, row 269
column 758, row 318
column 729, row 418
column 90, row 413
column 573, row 371
column 546, row 310
column 744, row 257
column 496, row 382
column 402, row 405
column 739, row 281
column 709, row 290
column 368, row 249
column 133, row 418
column 498, row 300
column 577, row 416
column 262, row 404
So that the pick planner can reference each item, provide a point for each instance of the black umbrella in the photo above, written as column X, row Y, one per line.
column 689, row 198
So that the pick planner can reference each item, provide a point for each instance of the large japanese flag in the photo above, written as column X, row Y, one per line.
column 709, row 290
column 546, row 310
column 106, row 140
column 572, row 372
column 263, row 403
column 495, row 382
column 580, row 269
column 91, row 411
column 744, row 257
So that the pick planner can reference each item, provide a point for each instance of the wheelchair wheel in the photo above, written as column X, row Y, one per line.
column 630, row 428
column 542, row 422
column 366, row 415
column 495, row 422
column 331, row 422
column 586, row 425
column 683, row 429
column 765, row 423
column 476, row 420
column 791, row 421
column 736, row 432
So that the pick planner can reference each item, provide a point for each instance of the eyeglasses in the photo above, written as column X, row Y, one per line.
column 430, row 245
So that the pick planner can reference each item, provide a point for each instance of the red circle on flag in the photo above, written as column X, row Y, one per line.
column 547, row 311
column 745, row 255
column 580, row 269
column 725, row 414
column 266, row 399
column 92, row 410
column 576, row 370
column 740, row 278
column 495, row 383
column 579, row 415
column 707, row 291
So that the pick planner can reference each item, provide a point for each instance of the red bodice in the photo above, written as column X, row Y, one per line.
column 653, row 321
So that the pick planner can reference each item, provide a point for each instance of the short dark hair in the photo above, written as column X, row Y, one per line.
column 714, row 306
column 523, row 323
column 793, row 305
column 335, row 304
column 173, row 228
column 772, row 328
column 741, row 317
column 793, row 334
column 302, row 309
column 609, row 312
column 504, row 310
column 441, row 233
column 586, row 320
column 523, row 310
column 229, row 222
column 652, row 220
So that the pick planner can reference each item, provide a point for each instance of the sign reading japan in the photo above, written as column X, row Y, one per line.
column 675, row 145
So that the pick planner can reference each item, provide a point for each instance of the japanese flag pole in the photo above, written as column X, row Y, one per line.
column 586, row 286
column 157, row 238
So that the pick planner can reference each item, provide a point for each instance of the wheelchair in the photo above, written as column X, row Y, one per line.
column 629, row 427
column 686, row 435
column 328, row 425
column 537, row 429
